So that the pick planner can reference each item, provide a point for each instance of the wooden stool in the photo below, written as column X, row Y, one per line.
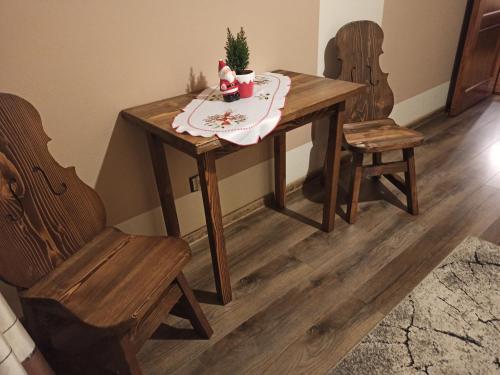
column 87, row 290
column 368, row 128
column 375, row 137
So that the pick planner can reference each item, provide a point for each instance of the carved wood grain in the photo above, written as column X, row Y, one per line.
column 65, row 213
column 360, row 46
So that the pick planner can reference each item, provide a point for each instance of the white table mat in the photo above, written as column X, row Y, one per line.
column 244, row 121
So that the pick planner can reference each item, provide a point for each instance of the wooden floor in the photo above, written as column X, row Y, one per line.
column 304, row 298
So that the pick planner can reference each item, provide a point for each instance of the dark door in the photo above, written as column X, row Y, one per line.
column 477, row 62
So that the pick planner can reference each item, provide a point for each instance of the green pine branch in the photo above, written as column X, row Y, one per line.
column 237, row 53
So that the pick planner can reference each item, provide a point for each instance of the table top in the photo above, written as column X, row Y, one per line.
column 308, row 94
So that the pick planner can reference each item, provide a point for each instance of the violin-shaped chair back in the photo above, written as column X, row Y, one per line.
column 359, row 46
column 46, row 212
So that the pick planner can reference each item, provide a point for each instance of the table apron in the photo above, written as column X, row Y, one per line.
column 327, row 112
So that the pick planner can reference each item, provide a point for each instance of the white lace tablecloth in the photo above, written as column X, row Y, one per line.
column 244, row 121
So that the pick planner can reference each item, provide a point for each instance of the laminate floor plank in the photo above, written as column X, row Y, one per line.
column 261, row 271
column 254, row 344
column 303, row 298
column 492, row 233
column 323, row 344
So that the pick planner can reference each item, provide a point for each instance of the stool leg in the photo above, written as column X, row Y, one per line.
column 411, row 181
column 377, row 160
column 355, row 185
column 196, row 315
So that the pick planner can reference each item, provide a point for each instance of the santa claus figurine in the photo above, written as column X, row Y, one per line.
column 228, row 83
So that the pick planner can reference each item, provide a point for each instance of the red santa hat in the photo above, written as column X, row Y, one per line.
column 222, row 65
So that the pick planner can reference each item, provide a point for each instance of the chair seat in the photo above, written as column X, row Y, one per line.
column 380, row 135
column 115, row 279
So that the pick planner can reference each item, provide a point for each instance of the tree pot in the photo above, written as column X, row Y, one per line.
column 245, row 83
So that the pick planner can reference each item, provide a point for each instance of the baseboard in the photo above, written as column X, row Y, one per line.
column 267, row 200
column 240, row 213
column 427, row 118
column 429, row 101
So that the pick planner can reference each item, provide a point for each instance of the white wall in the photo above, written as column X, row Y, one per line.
column 417, row 107
column 333, row 14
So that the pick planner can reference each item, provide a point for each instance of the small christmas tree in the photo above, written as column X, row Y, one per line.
column 237, row 53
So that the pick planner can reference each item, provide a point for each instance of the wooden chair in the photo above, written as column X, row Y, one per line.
column 367, row 129
column 86, row 289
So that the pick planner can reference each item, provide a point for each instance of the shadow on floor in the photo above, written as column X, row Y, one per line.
column 207, row 297
column 167, row 332
column 371, row 190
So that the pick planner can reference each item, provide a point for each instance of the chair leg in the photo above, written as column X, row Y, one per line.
column 411, row 181
column 196, row 315
column 355, row 185
column 377, row 160
column 35, row 327
column 124, row 359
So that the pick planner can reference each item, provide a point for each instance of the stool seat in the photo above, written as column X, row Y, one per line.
column 380, row 135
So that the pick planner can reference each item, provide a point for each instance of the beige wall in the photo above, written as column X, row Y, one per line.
column 421, row 39
column 81, row 62
column 333, row 14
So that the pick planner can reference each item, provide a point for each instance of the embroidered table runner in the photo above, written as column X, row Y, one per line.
column 244, row 121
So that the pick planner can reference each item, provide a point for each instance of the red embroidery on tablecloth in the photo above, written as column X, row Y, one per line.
column 223, row 120
column 273, row 95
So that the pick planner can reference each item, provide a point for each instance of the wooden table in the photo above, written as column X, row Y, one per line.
column 310, row 98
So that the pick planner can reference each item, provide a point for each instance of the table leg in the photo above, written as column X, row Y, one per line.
column 160, row 168
column 280, row 170
column 213, row 215
column 333, row 167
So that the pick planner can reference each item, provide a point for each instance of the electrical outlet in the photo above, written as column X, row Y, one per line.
column 194, row 183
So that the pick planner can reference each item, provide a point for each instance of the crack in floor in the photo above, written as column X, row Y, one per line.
column 480, row 262
column 445, row 285
column 467, row 339
column 462, row 289
column 476, row 261
column 490, row 322
column 449, row 304
column 407, row 333
column 424, row 369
